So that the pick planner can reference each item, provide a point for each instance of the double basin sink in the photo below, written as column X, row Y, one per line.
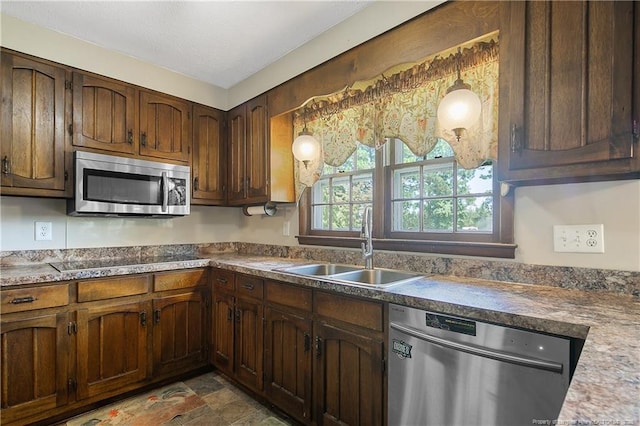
column 352, row 275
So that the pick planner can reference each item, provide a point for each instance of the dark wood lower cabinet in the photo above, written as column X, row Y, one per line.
column 34, row 354
column 180, row 332
column 288, row 353
column 249, row 343
column 112, row 347
column 222, row 332
column 347, row 377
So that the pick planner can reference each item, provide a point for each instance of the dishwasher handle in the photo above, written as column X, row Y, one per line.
column 475, row 350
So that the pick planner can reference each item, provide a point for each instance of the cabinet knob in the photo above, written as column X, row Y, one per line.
column 5, row 165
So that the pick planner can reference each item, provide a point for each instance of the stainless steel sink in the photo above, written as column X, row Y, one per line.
column 352, row 275
column 320, row 269
column 377, row 277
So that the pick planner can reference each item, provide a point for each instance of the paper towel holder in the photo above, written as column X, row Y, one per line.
column 268, row 209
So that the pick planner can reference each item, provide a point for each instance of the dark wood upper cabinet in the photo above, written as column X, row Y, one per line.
column 165, row 126
column 248, row 153
column 567, row 102
column 32, row 126
column 209, row 161
column 104, row 114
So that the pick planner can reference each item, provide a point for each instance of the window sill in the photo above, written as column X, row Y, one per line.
column 499, row 250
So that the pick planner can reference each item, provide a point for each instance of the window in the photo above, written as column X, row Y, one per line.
column 427, row 204
column 340, row 196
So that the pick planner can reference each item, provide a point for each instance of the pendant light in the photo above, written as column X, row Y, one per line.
column 461, row 107
column 305, row 147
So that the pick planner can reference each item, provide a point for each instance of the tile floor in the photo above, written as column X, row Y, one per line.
column 208, row 399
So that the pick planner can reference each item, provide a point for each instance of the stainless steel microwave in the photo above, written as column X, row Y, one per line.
column 107, row 185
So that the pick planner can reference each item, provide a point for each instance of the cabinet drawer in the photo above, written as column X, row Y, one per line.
column 177, row 280
column 288, row 295
column 224, row 280
column 28, row 299
column 110, row 288
column 249, row 286
column 354, row 311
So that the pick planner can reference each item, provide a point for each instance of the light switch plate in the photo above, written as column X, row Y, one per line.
column 578, row 238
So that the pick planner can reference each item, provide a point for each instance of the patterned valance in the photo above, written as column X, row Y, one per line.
column 402, row 103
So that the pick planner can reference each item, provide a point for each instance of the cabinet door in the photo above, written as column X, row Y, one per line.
column 179, row 332
column 32, row 124
column 249, row 333
column 288, row 362
column 222, row 353
column 347, row 378
column 104, row 114
column 236, row 177
column 257, row 155
column 165, row 126
column 209, row 163
column 566, row 99
column 112, row 347
column 34, row 365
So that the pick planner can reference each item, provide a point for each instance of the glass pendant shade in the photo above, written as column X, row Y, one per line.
column 305, row 147
column 460, row 109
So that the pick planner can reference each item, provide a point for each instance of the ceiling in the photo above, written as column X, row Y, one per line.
column 218, row 42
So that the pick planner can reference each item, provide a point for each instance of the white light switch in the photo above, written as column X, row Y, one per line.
column 578, row 238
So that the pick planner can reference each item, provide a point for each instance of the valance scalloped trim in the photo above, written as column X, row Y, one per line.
column 403, row 105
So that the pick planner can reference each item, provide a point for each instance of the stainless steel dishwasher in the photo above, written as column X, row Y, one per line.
column 445, row 370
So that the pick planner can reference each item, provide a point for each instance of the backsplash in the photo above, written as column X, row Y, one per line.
column 587, row 279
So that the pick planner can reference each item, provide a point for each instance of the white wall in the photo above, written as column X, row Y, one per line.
column 18, row 214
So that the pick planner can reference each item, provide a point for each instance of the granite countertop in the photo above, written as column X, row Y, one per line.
column 605, row 388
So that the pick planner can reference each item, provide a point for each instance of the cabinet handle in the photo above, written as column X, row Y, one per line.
column 229, row 314
column 27, row 299
column 143, row 318
column 5, row 165
column 156, row 316
column 307, row 342
column 196, row 181
column 248, row 286
column 130, row 137
column 238, row 315
column 318, row 347
column 516, row 143
column 143, row 139
column 635, row 130
column 222, row 280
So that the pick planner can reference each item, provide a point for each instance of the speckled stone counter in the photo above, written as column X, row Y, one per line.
column 605, row 388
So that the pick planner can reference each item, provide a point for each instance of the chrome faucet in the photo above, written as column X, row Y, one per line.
column 367, row 235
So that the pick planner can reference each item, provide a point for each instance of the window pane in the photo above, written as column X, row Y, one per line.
column 347, row 166
column 438, row 215
column 438, row 180
column 362, row 188
column 406, row 183
column 328, row 170
column 320, row 217
column 321, row 192
column 340, row 190
column 406, row 216
column 366, row 157
column 340, row 217
column 475, row 181
column 475, row 214
column 441, row 150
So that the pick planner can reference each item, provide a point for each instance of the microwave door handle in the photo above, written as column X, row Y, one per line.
column 165, row 191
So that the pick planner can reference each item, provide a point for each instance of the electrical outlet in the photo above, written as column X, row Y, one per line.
column 43, row 231
column 578, row 238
